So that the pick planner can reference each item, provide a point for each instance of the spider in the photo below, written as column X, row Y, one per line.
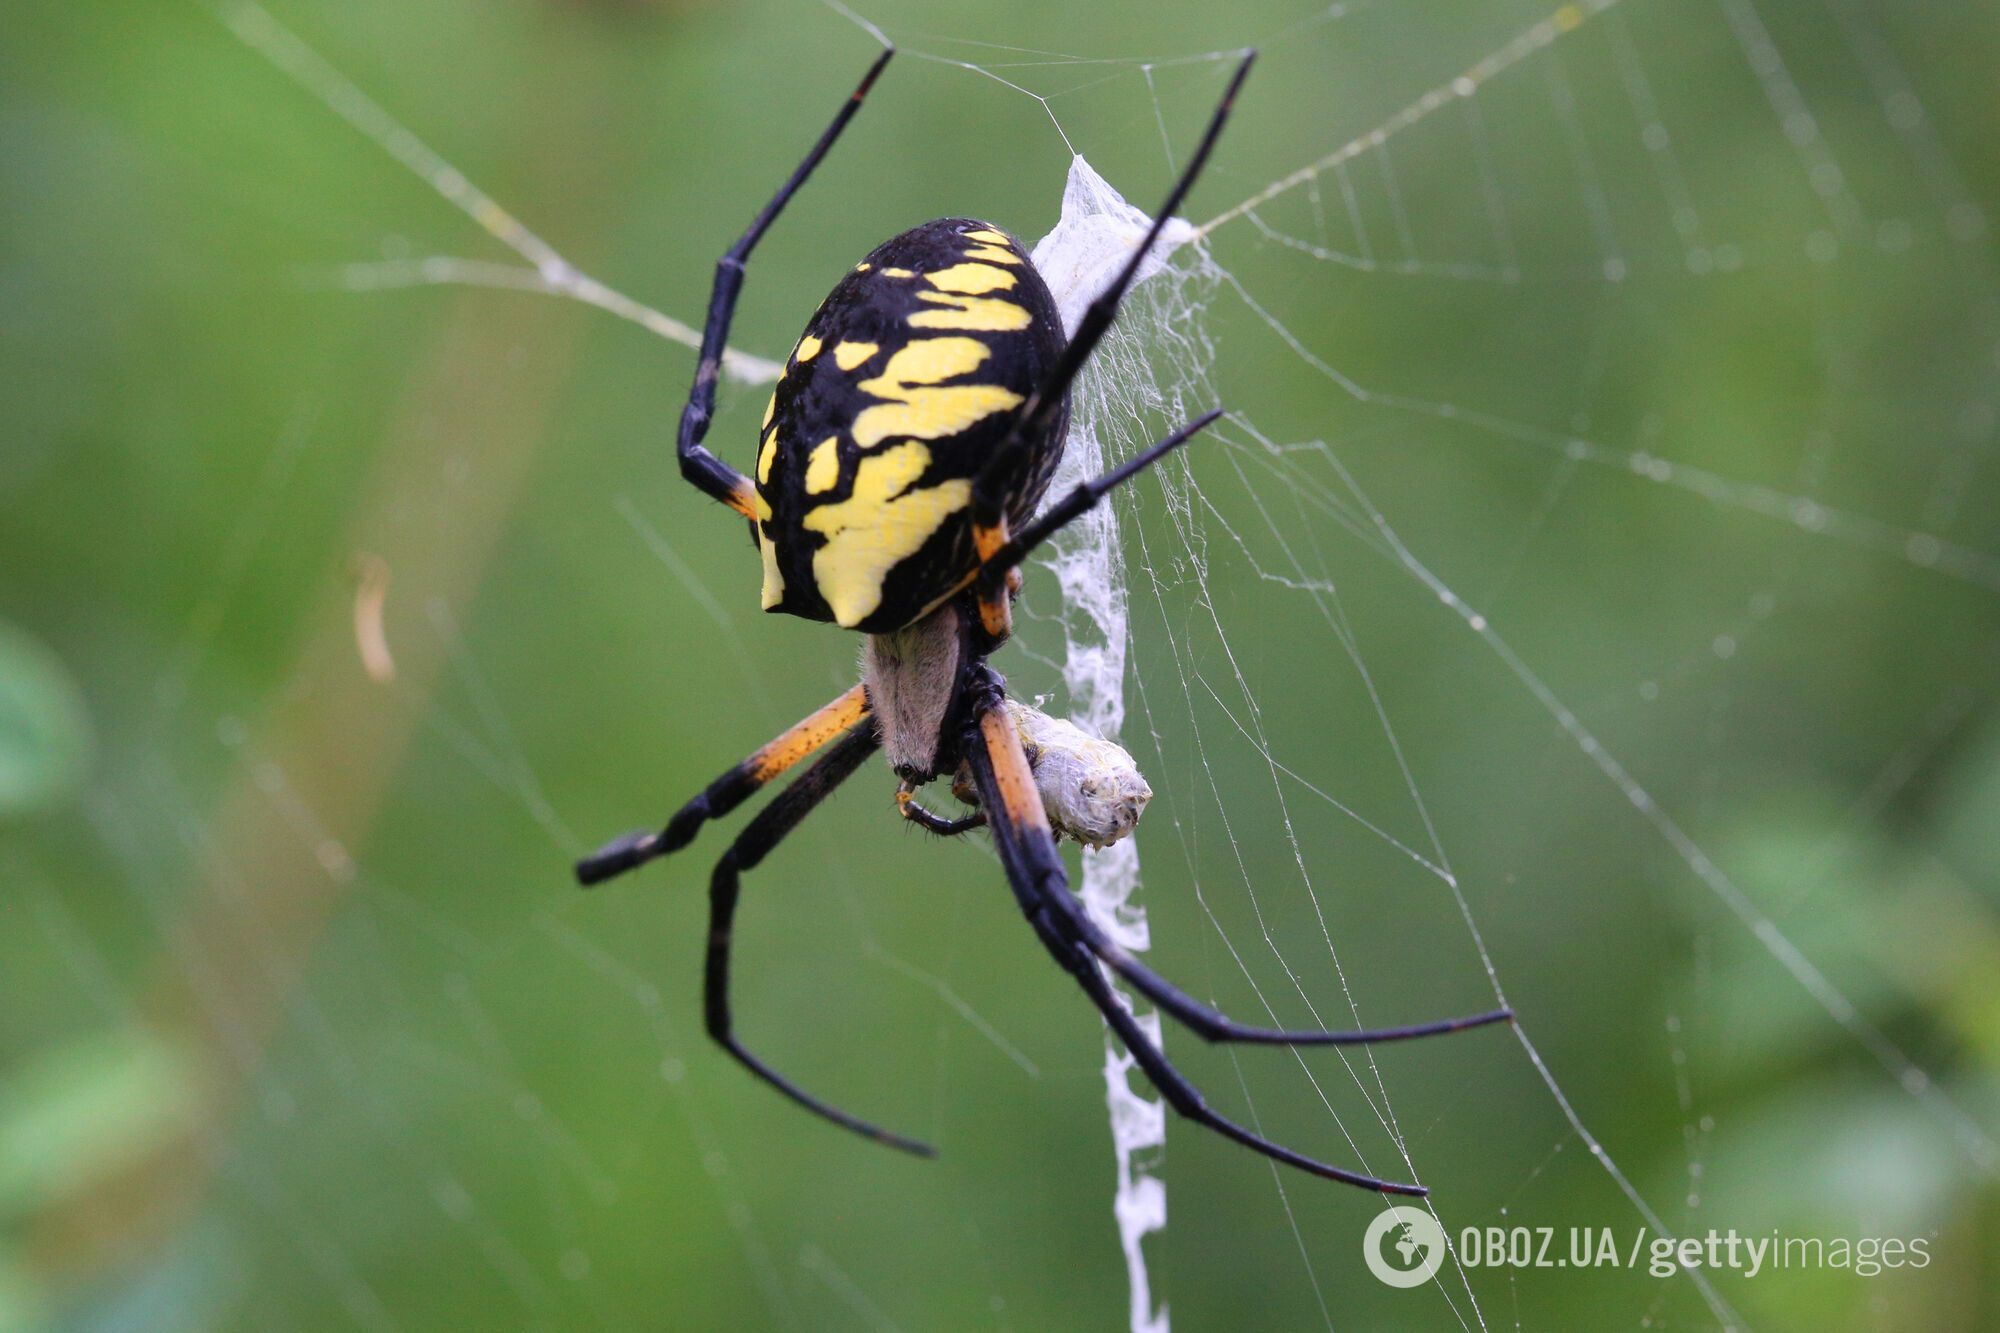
column 900, row 465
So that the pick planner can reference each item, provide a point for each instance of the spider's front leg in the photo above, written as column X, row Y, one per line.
column 843, row 734
column 991, row 746
column 797, row 743
column 759, row 837
column 929, row 820
column 1035, row 872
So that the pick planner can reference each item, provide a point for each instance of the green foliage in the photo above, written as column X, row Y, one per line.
column 44, row 729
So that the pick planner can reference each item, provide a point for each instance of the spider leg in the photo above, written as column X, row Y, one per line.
column 923, row 818
column 1185, row 1098
column 1028, row 850
column 1002, row 559
column 1001, row 476
column 1035, row 872
column 763, row 833
column 798, row 742
column 704, row 470
column 1212, row 1025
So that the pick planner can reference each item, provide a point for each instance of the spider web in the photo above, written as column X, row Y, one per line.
column 1488, row 547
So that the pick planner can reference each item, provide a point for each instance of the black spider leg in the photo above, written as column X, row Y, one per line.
column 993, row 570
column 752, row 845
column 1035, row 872
column 984, row 689
column 929, row 820
column 1211, row 1025
column 1185, row 1098
column 1002, row 475
column 796, row 743
column 708, row 473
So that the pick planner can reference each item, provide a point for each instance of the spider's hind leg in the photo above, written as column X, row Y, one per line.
column 1004, row 470
column 702, row 469
column 1001, row 555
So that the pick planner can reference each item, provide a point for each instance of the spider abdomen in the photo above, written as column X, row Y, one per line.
column 904, row 385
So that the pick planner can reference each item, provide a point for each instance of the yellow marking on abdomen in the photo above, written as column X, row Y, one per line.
column 898, row 273
column 764, row 457
column 971, row 279
column 882, row 524
column 927, row 361
column 926, row 413
column 988, row 314
column 849, row 355
column 807, row 349
column 990, row 237
column 992, row 254
column 774, row 578
column 823, row 468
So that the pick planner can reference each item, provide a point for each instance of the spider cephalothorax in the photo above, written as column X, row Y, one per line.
column 897, row 477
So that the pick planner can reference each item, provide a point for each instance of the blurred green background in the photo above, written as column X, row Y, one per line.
column 305, row 1025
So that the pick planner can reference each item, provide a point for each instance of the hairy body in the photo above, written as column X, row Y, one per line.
column 1091, row 789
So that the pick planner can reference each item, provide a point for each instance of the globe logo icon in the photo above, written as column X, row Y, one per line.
column 1404, row 1246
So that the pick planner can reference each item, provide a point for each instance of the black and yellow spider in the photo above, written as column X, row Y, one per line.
column 899, row 467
